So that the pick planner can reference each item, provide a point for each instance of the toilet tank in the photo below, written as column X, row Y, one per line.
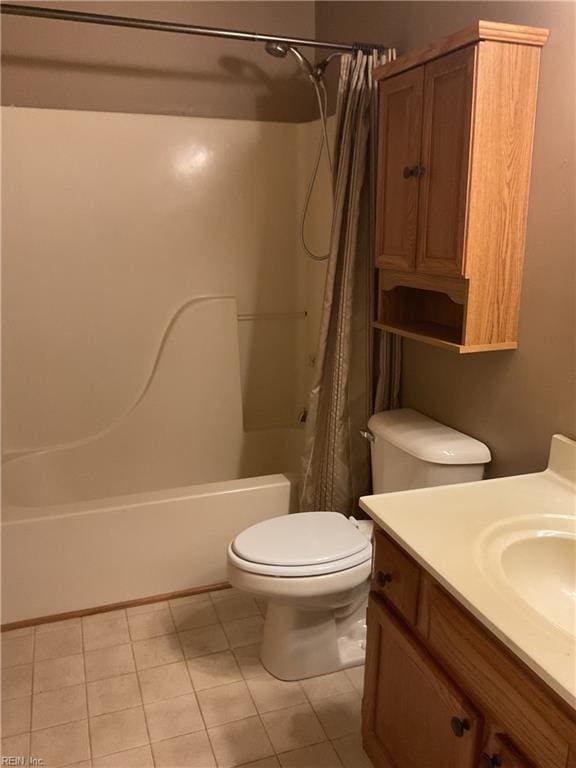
column 410, row 450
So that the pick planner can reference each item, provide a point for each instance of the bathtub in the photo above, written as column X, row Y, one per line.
column 147, row 506
column 77, row 556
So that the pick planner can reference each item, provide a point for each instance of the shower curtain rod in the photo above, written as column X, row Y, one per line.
column 183, row 29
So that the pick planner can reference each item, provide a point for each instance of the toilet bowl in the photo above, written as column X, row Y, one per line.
column 314, row 567
column 314, row 570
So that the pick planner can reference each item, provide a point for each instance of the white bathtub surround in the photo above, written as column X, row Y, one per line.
column 151, row 695
column 506, row 550
column 112, row 222
column 71, row 557
column 184, row 428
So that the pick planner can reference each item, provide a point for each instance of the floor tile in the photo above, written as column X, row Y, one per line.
column 244, row 631
column 193, row 615
column 214, row 669
column 83, row 764
column 66, row 641
column 248, row 658
column 240, row 742
column 317, row 756
column 15, row 716
column 293, row 728
column 173, row 717
column 266, row 762
column 226, row 703
column 113, row 694
column 262, row 605
column 225, row 594
column 199, row 642
column 104, row 630
column 164, row 682
column 356, row 677
column 64, row 705
column 236, row 607
column 16, row 650
column 109, row 662
column 157, row 651
column 50, row 626
column 155, row 624
column 20, row 632
column 63, row 745
column 203, row 597
column 118, row 731
column 339, row 715
column 351, row 752
column 140, row 757
column 58, row 673
column 16, row 747
column 326, row 685
column 190, row 751
column 270, row 694
column 136, row 610
column 16, row 682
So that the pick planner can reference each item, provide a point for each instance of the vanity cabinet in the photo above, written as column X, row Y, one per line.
column 415, row 716
column 441, row 691
column 455, row 132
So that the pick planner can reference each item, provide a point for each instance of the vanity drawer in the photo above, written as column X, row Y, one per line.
column 498, row 684
column 395, row 576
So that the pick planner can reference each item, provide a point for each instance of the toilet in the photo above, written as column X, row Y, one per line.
column 314, row 567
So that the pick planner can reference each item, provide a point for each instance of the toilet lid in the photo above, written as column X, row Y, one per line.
column 302, row 539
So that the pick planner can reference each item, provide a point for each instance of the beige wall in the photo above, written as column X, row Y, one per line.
column 514, row 401
column 111, row 222
column 61, row 65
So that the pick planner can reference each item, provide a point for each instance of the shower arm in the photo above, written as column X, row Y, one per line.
column 176, row 28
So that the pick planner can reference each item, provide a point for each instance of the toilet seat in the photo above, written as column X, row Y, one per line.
column 302, row 544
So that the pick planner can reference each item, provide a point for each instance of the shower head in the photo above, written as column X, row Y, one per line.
column 281, row 50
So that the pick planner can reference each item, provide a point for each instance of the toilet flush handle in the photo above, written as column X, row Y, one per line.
column 367, row 435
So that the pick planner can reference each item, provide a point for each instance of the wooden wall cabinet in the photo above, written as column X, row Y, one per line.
column 442, row 692
column 455, row 132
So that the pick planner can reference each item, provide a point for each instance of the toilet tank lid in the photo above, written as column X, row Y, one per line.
column 426, row 439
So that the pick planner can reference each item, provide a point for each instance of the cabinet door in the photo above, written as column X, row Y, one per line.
column 399, row 133
column 446, row 135
column 501, row 752
column 413, row 714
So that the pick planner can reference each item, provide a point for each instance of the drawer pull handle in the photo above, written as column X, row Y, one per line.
column 459, row 726
column 490, row 762
column 383, row 578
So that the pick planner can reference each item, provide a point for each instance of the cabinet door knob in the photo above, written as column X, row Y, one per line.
column 459, row 726
column 414, row 172
column 383, row 578
column 487, row 761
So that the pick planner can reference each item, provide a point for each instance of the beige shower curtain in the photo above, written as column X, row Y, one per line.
column 336, row 461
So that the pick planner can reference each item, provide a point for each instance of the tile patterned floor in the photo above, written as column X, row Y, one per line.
column 173, row 684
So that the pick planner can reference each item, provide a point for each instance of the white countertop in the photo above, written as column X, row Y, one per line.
column 456, row 532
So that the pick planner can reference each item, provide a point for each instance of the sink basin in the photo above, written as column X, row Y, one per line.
column 541, row 568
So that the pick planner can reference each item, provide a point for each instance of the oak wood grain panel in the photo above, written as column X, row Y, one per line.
column 402, row 590
column 399, row 133
column 429, row 335
column 480, row 30
column 446, row 134
column 455, row 288
column 499, row 684
column 409, row 702
column 501, row 158
column 500, row 747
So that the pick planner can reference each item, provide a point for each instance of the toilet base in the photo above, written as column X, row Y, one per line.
column 301, row 643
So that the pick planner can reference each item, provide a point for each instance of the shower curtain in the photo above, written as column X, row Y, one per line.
column 336, row 461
